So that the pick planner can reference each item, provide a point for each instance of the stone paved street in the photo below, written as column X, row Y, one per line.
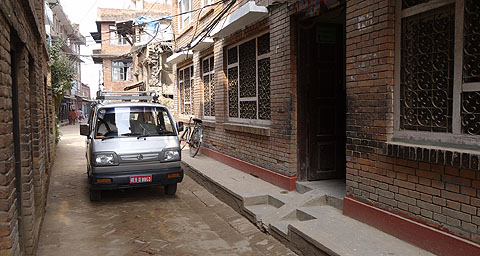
column 140, row 221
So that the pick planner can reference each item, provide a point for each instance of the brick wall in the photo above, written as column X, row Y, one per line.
column 110, row 49
column 107, row 76
column 272, row 146
column 23, row 190
column 200, row 19
column 107, row 47
column 154, row 9
column 108, row 18
column 429, row 188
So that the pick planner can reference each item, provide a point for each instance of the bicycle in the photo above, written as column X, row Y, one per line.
column 192, row 136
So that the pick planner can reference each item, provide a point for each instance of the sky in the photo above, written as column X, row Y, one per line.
column 84, row 12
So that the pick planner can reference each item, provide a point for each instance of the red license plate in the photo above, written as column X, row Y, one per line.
column 141, row 179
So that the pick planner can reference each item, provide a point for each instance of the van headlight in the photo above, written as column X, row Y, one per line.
column 170, row 155
column 105, row 159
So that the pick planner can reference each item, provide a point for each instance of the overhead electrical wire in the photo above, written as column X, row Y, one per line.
column 208, row 28
column 204, row 33
column 89, row 10
column 169, row 17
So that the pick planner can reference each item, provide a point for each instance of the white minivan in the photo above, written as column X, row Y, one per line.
column 132, row 144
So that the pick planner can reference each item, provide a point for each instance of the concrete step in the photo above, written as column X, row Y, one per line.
column 259, row 206
column 267, row 209
column 281, row 226
column 336, row 234
column 309, row 220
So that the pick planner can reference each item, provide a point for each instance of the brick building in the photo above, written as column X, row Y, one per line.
column 84, row 100
column 62, row 29
column 412, row 116
column 383, row 94
column 116, row 53
column 27, row 139
column 258, row 128
column 151, row 70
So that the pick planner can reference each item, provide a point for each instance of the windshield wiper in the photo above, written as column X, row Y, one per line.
column 131, row 134
column 109, row 137
column 167, row 133
column 162, row 133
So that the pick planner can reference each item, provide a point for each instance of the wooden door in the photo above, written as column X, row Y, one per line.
column 325, row 102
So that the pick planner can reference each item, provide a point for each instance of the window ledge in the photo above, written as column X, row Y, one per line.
column 253, row 129
column 209, row 123
column 459, row 157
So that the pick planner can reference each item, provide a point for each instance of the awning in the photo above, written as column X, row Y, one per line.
column 133, row 86
column 179, row 56
column 125, row 28
column 98, row 58
column 202, row 45
column 97, row 36
column 246, row 15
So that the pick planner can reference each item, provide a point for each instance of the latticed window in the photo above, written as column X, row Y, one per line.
column 248, row 75
column 121, row 70
column 208, row 79
column 438, row 72
column 185, row 83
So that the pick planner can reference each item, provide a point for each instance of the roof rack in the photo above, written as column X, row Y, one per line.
column 127, row 95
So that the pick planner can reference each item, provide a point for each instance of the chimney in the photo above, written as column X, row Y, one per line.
column 138, row 5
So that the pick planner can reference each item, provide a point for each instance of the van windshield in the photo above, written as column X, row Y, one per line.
column 133, row 121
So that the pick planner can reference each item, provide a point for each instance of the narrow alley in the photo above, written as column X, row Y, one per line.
column 140, row 221
column 297, row 127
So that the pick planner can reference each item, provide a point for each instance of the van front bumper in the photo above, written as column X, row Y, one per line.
column 119, row 180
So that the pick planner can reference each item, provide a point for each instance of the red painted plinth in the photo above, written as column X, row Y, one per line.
column 277, row 179
column 426, row 237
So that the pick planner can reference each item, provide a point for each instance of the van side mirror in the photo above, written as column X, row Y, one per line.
column 180, row 126
column 84, row 129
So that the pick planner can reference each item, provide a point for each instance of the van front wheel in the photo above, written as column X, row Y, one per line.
column 95, row 195
column 171, row 189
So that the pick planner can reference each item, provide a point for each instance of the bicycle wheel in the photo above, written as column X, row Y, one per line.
column 195, row 141
column 184, row 138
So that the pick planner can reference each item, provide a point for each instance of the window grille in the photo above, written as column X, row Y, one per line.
column 471, row 68
column 437, row 77
column 471, row 42
column 233, row 92
column 248, row 75
column 427, row 70
column 208, row 78
column 185, row 81
column 471, row 113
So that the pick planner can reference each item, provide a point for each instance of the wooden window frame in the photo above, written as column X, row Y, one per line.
column 128, row 74
column 455, row 139
column 256, row 121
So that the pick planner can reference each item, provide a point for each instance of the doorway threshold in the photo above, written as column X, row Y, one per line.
column 334, row 188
